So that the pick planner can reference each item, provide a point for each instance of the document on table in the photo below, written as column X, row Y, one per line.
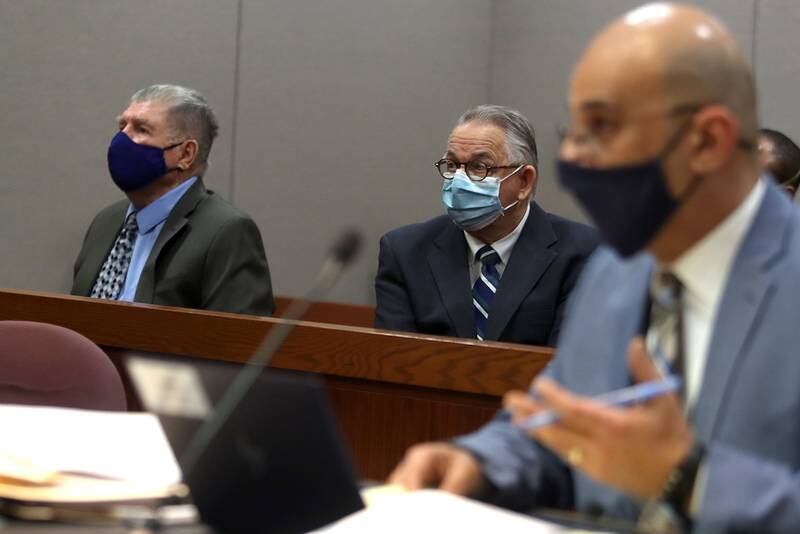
column 80, row 456
column 437, row 511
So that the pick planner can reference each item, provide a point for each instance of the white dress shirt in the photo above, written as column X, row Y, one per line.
column 504, row 247
column 704, row 270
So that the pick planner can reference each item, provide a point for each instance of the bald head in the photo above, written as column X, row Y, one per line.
column 666, row 90
column 679, row 55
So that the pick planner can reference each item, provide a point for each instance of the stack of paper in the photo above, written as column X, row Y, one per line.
column 435, row 511
column 59, row 455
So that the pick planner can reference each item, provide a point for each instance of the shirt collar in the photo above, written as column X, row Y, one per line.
column 704, row 268
column 157, row 211
column 503, row 246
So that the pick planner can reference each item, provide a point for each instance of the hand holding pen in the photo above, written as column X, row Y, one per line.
column 632, row 449
column 628, row 396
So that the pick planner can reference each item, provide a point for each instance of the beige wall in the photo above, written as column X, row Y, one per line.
column 331, row 112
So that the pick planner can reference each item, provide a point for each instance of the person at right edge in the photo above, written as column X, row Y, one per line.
column 781, row 159
column 700, row 271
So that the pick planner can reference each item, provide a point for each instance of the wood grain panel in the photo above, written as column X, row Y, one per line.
column 430, row 361
column 389, row 390
column 379, row 423
column 332, row 313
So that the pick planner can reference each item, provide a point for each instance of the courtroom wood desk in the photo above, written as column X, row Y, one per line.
column 332, row 313
column 389, row 390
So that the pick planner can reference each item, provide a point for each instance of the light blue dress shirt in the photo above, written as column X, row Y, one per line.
column 150, row 221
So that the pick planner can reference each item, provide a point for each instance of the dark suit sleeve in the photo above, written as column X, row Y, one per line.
column 80, row 279
column 79, row 259
column 392, row 305
column 235, row 274
column 586, row 246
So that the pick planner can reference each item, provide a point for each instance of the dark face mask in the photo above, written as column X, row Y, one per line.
column 133, row 166
column 629, row 204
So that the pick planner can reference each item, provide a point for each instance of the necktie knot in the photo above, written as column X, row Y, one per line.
column 130, row 222
column 666, row 290
column 487, row 256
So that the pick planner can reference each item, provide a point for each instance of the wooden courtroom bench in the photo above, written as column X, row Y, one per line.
column 389, row 390
column 332, row 313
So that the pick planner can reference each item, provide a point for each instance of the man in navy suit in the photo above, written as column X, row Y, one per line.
column 496, row 267
column 701, row 277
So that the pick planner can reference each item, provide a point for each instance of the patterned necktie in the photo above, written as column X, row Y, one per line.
column 485, row 287
column 665, row 336
column 112, row 275
column 665, row 342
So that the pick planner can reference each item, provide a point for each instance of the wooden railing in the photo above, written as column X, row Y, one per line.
column 332, row 313
column 389, row 389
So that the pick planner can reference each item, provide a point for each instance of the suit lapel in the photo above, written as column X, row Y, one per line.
column 176, row 220
column 448, row 262
column 531, row 256
column 746, row 292
column 99, row 248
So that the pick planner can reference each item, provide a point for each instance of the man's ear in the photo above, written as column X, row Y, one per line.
column 188, row 155
column 715, row 139
column 529, row 178
column 791, row 189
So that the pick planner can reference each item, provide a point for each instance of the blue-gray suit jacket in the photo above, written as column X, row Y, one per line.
column 748, row 409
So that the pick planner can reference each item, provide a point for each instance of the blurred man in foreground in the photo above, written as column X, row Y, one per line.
column 699, row 278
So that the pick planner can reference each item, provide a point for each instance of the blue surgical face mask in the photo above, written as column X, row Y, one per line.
column 628, row 204
column 133, row 166
column 474, row 205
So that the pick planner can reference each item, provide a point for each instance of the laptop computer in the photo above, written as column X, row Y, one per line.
column 277, row 464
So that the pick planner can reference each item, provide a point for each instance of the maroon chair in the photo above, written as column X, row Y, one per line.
column 48, row 365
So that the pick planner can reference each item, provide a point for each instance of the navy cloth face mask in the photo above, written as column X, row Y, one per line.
column 133, row 166
column 629, row 204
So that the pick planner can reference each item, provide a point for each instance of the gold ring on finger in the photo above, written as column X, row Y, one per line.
column 575, row 456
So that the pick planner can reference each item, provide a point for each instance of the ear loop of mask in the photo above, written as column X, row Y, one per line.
column 791, row 181
column 668, row 148
column 503, row 179
column 743, row 144
column 170, row 147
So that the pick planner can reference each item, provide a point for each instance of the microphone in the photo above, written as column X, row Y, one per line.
column 342, row 253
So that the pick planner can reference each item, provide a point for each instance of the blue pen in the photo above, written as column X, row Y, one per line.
column 619, row 397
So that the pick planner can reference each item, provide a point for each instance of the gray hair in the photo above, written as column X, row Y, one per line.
column 520, row 138
column 188, row 113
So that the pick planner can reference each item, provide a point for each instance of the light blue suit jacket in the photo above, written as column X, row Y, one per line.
column 748, row 409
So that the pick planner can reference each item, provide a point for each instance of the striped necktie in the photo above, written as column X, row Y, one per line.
column 665, row 336
column 112, row 274
column 485, row 287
